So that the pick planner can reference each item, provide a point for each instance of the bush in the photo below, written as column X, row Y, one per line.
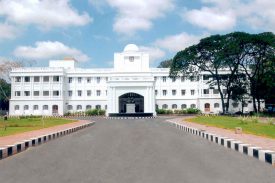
column 94, row 112
column 160, row 111
column 193, row 111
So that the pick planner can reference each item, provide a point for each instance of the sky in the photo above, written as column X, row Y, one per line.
column 92, row 30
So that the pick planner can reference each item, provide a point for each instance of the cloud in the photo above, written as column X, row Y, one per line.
column 49, row 50
column 154, row 52
column 175, row 43
column 136, row 15
column 46, row 14
column 7, row 31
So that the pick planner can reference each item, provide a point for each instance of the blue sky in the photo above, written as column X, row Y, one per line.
column 92, row 30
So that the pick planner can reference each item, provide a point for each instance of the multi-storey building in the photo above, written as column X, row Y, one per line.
column 131, row 86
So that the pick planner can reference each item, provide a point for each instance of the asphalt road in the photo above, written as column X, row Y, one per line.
column 132, row 151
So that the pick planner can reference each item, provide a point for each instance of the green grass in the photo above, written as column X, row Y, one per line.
column 15, row 125
column 248, row 125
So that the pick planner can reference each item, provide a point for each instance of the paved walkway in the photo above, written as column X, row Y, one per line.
column 133, row 151
column 265, row 143
column 12, row 139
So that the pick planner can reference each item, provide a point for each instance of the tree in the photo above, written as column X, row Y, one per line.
column 5, row 89
column 165, row 63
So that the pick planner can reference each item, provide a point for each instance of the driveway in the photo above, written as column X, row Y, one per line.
column 132, row 151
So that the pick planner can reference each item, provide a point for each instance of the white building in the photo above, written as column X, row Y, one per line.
column 130, row 87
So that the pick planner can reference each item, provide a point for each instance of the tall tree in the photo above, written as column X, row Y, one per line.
column 165, row 63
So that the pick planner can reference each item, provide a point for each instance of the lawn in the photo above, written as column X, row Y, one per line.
column 249, row 125
column 15, row 125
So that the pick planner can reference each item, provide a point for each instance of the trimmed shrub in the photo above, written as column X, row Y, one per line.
column 193, row 111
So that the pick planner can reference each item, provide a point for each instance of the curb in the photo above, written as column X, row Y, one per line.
column 18, row 147
column 130, row 117
column 266, row 156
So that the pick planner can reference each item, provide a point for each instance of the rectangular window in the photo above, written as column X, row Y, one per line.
column 27, row 79
column 26, row 93
column 183, row 92
column 46, row 93
column 46, row 79
column 55, row 78
column 174, row 79
column 70, row 79
column 174, row 92
column 106, row 92
column 36, row 79
column 89, row 80
column 206, row 77
column 156, row 92
column 56, row 93
column 98, row 92
column 192, row 78
column 79, row 93
column 192, row 92
column 206, row 91
column 17, row 93
column 215, row 91
column 35, row 93
column 17, row 79
column 224, row 91
column 70, row 93
column 79, row 79
column 89, row 93
column 164, row 78
column 182, row 78
column 155, row 78
column 97, row 79
column 164, row 92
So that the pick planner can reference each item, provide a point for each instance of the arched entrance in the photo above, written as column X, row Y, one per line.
column 206, row 107
column 131, row 103
column 55, row 109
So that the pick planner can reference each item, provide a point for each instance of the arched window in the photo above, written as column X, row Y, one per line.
column 70, row 107
column 45, row 107
column 35, row 107
column 164, row 106
column 183, row 106
column 16, row 107
column 98, row 106
column 88, row 107
column 174, row 106
column 26, row 107
column 193, row 105
column 216, row 105
column 79, row 107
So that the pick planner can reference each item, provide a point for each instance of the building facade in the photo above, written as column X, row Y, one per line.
column 131, row 86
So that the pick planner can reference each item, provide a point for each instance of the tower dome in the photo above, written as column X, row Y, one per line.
column 131, row 48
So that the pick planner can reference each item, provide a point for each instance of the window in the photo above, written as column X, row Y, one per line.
column 156, row 92
column 36, row 79
column 174, row 92
column 46, row 79
column 183, row 106
column 193, row 105
column 70, row 107
column 79, row 93
column 88, row 107
column 35, row 93
column 106, row 107
column 55, row 78
column 17, row 93
column 192, row 92
column 157, row 106
column 174, row 106
column 46, row 93
column 206, row 77
column 206, row 91
column 192, row 78
column 27, row 79
column 224, row 91
column 164, row 92
column 16, row 107
column 70, row 93
column 131, row 59
column 183, row 92
column 70, row 79
column 216, row 105
column 35, row 107
column 245, row 105
column 56, row 93
column 215, row 91
column 155, row 78
column 17, row 79
column 182, row 78
column 79, row 79
column 164, row 79
column 26, row 107
column 98, row 106
column 98, row 92
column 89, row 80
column 89, row 93
column 45, row 107
column 174, row 79
column 27, row 93
column 164, row 106
column 79, row 107
column 106, row 92
column 235, row 104
column 97, row 79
